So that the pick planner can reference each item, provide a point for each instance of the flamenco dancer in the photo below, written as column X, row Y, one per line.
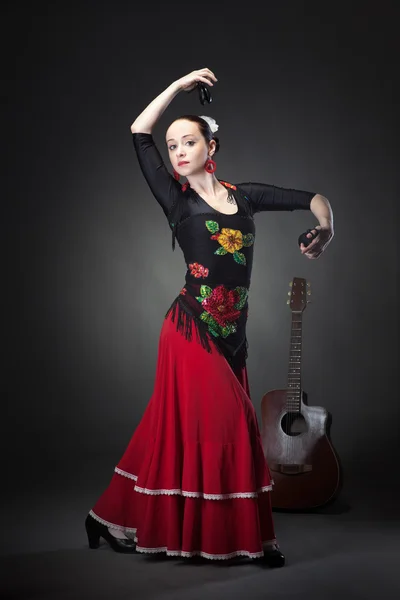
column 193, row 479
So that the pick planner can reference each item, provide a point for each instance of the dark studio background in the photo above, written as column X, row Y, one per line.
column 304, row 100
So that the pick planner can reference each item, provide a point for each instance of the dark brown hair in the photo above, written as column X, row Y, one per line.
column 204, row 128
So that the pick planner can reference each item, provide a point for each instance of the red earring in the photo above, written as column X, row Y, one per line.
column 176, row 175
column 210, row 166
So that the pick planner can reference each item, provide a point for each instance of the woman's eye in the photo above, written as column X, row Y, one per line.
column 173, row 146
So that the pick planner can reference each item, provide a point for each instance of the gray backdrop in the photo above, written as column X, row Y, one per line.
column 304, row 100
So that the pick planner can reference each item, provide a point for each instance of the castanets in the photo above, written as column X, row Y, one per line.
column 303, row 239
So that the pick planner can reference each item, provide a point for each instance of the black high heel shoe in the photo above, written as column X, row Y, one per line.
column 95, row 530
column 272, row 558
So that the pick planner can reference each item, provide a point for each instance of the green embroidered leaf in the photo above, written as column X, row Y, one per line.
column 227, row 330
column 205, row 291
column 213, row 326
column 213, row 323
column 213, row 332
column 239, row 257
column 199, row 298
column 212, row 226
column 205, row 316
column 248, row 239
column 243, row 293
column 221, row 251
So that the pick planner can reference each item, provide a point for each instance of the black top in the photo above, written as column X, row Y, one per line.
column 218, row 248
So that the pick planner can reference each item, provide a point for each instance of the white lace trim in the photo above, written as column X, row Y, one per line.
column 113, row 525
column 125, row 474
column 266, row 488
column 184, row 554
column 179, row 492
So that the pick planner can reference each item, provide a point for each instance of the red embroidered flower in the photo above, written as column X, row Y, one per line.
column 183, row 291
column 221, row 305
column 198, row 270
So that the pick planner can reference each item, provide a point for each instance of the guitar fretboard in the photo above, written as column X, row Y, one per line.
column 294, row 373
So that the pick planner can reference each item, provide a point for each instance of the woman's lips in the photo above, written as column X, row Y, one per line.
column 183, row 162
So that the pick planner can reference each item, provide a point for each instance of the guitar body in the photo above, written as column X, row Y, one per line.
column 303, row 463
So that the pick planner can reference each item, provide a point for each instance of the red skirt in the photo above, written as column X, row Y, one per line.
column 193, row 479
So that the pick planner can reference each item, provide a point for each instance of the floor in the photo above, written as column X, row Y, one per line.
column 347, row 551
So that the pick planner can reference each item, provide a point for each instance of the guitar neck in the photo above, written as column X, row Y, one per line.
column 293, row 401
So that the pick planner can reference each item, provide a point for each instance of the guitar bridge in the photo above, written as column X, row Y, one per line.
column 291, row 469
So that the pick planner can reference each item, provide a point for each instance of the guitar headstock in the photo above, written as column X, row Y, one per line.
column 299, row 294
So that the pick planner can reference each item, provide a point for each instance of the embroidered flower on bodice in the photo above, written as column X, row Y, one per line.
column 222, row 307
column 231, row 241
column 198, row 270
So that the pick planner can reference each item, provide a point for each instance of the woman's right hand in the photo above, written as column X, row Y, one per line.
column 189, row 82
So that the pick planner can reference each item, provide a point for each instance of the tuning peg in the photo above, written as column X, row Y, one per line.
column 308, row 284
column 308, row 293
column 287, row 301
column 290, row 284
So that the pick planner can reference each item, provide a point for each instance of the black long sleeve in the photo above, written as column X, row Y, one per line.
column 164, row 187
column 264, row 197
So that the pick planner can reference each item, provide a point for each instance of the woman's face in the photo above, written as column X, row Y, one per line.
column 187, row 148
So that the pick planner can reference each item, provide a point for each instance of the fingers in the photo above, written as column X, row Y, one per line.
column 310, row 247
column 207, row 72
column 204, row 79
column 313, row 250
column 318, row 244
column 314, row 232
column 312, row 254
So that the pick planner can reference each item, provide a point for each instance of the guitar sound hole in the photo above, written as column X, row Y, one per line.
column 293, row 424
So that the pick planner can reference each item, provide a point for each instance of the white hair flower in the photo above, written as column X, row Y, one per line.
column 212, row 123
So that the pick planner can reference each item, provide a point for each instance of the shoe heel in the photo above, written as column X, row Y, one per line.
column 92, row 534
column 94, row 541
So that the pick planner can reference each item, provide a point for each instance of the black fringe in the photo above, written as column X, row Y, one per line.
column 239, row 360
column 187, row 322
column 184, row 318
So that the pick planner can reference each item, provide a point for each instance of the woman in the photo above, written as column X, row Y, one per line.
column 193, row 479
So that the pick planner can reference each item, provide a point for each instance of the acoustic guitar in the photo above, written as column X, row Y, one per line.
column 303, row 463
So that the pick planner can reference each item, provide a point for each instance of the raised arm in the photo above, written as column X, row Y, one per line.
column 163, row 186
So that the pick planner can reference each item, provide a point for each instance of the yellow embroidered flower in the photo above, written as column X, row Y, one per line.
column 231, row 239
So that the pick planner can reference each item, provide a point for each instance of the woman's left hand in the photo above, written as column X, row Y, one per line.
column 318, row 245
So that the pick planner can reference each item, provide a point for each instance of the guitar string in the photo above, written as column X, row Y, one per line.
column 292, row 394
column 294, row 382
column 298, row 353
column 289, row 419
